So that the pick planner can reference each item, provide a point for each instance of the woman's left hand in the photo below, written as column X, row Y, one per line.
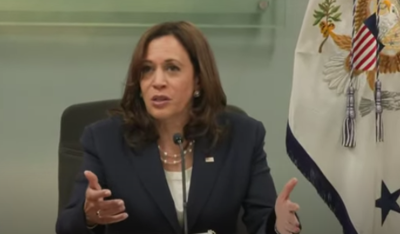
column 286, row 220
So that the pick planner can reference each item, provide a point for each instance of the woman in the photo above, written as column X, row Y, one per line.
column 131, row 176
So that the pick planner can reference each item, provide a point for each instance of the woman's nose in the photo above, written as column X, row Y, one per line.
column 159, row 79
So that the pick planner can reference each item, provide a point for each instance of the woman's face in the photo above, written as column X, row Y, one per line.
column 168, row 83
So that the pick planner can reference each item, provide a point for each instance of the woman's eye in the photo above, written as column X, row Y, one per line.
column 173, row 68
column 146, row 69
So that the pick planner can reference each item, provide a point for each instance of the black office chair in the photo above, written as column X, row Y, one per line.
column 73, row 121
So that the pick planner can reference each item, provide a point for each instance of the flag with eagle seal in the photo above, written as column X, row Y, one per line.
column 343, row 129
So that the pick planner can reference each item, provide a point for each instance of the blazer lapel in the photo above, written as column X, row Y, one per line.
column 206, row 166
column 149, row 168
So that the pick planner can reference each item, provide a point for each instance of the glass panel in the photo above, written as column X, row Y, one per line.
column 143, row 13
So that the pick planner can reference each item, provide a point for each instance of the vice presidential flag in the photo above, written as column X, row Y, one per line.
column 346, row 88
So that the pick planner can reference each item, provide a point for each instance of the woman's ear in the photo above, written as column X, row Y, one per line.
column 196, row 92
column 196, row 83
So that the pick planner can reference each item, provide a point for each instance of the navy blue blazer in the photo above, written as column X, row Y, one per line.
column 238, row 177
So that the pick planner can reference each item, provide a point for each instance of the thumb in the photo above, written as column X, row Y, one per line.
column 93, row 181
column 289, row 186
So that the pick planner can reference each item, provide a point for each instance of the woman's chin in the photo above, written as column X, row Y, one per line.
column 160, row 114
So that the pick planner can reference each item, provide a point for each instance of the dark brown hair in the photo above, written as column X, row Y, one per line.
column 139, row 126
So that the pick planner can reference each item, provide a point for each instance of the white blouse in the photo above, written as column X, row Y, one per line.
column 174, row 179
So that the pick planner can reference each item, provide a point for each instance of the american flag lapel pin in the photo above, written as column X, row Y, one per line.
column 209, row 159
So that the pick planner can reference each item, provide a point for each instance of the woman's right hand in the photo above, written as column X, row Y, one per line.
column 100, row 211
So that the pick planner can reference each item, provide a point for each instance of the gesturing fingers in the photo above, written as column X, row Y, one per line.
column 111, row 211
column 287, row 189
column 97, row 209
column 113, row 218
column 289, row 225
column 292, row 207
column 92, row 180
column 111, row 207
column 290, row 228
column 293, row 221
column 287, row 221
column 95, row 195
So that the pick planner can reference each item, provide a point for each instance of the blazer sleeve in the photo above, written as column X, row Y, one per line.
column 259, row 215
column 72, row 219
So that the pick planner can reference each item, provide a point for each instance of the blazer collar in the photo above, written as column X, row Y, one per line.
column 149, row 168
column 206, row 165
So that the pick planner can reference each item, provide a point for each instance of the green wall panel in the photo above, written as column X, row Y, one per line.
column 142, row 13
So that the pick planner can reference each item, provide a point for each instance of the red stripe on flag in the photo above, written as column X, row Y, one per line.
column 358, row 54
column 358, row 42
column 370, row 65
column 362, row 29
column 367, row 37
column 364, row 50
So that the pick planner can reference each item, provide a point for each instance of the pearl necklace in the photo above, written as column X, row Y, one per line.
column 164, row 156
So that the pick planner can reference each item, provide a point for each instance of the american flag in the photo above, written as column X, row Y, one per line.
column 365, row 45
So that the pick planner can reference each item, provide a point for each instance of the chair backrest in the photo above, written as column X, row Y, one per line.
column 73, row 121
